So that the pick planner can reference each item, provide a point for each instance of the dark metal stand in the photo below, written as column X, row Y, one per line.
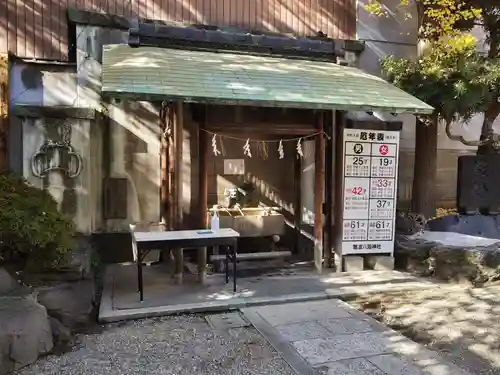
column 231, row 252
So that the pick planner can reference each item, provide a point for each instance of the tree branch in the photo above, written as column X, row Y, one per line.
column 459, row 138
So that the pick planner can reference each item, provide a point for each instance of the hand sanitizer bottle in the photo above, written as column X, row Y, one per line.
column 214, row 223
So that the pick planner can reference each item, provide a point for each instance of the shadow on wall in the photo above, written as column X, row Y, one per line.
column 133, row 154
column 40, row 29
column 264, row 170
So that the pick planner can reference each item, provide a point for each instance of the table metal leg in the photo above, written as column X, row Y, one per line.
column 234, row 251
column 179, row 264
column 202, row 265
column 139, row 275
column 226, row 262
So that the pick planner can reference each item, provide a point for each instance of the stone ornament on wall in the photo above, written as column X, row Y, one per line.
column 57, row 156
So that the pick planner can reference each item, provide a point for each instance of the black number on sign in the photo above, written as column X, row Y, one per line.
column 358, row 161
column 383, row 183
column 381, row 225
column 382, row 203
column 355, row 224
column 384, row 162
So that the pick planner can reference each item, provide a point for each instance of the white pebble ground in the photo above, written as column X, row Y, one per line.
column 182, row 345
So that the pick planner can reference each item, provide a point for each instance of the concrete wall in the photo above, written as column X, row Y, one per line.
column 133, row 144
column 55, row 85
column 42, row 84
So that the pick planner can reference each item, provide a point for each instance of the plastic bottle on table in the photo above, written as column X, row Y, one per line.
column 215, row 222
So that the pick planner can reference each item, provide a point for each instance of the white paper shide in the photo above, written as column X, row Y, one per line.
column 370, row 188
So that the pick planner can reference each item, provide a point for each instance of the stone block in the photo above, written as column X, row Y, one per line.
column 302, row 312
column 7, row 282
column 226, row 321
column 71, row 304
column 353, row 263
column 346, row 326
column 323, row 350
column 412, row 255
column 337, row 261
column 478, row 265
column 61, row 335
column 358, row 366
column 303, row 331
column 25, row 333
column 393, row 364
column 379, row 262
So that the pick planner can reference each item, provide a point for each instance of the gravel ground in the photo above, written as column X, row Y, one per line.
column 462, row 323
column 179, row 345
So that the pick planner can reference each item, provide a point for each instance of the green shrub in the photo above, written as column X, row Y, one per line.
column 31, row 227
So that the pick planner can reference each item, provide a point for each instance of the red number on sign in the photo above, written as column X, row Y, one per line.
column 357, row 190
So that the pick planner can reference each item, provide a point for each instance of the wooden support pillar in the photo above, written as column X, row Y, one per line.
column 329, row 187
column 297, row 202
column 338, row 173
column 179, row 152
column 177, row 186
column 172, row 164
column 164, row 167
column 319, row 180
column 202, row 191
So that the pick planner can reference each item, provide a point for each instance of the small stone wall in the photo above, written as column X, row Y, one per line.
column 477, row 265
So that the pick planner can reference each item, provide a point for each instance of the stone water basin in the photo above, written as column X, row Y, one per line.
column 252, row 221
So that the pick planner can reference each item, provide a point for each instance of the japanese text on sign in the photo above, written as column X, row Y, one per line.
column 370, row 185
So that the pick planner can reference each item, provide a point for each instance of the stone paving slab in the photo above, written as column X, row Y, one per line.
column 348, row 325
column 332, row 338
column 302, row 331
column 226, row 321
column 335, row 348
column 284, row 314
column 358, row 366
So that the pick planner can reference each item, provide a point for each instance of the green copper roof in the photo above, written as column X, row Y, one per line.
column 149, row 73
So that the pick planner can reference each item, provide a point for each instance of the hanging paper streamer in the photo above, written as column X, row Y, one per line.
column 281, row 151
column 299, row 148
column 222, row 147
column 215, row 150
column 246, row 149
column 263, row 150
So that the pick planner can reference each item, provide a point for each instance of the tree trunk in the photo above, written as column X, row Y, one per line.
column 490, row 116
column 424, row 174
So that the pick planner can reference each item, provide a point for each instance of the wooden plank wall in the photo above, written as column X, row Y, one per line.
column 38, row 28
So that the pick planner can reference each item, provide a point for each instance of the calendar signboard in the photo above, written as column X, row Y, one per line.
column 369, row 191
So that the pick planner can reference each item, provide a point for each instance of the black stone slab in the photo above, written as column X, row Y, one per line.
column 478, row 184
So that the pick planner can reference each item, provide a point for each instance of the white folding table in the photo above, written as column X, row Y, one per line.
column 145, row 241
